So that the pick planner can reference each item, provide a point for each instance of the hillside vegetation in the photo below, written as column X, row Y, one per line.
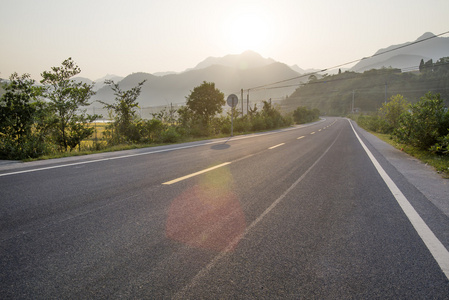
column 365, row 92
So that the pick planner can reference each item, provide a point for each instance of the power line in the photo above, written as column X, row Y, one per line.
column 378, row 73
column 351, row 62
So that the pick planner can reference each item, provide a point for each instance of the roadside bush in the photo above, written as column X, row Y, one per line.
column 303, row 115
column 242, row 124
column 391, row 112
column 425, row 124
column 374, row 123
column 170, row 135
column 442, row 147
column 258, row 123
column 151, row 130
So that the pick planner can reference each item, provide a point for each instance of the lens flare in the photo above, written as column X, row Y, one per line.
column 207, row 215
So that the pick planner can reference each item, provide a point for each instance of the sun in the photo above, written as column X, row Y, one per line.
column 248, row 31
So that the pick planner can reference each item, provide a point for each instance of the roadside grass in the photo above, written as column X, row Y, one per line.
column 99, row 145
column 91, row 150
column 439, row 162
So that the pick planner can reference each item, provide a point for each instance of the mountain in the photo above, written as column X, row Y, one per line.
column 407, row 56
column 99, row 83
column 82, row 79
column 246, row 60
column 174, row 88
column 164, row 73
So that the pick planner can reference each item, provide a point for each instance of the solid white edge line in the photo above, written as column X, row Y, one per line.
column 436, row 248
column 195, row 174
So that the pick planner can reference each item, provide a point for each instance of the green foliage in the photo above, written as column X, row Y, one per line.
column 333, row 94
column 373, row 122
column 303, row 115
column 425, row 123
column 124, row 129
column 66, row 98
column 273, row 117
column 170, row 135
column 386, row 119
column 22, row 135
column 442, row 146
column 78, row 130
column 391, row 111
column 205, row 101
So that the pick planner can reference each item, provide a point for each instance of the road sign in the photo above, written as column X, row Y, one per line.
column 232, row 100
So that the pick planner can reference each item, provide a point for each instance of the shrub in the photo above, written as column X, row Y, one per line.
column 170, row 135
column 425, row 123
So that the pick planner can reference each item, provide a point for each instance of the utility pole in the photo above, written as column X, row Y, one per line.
column 242, row 102
column 353, row 101
column 386, row 86
column 95, row 127
column 247, row 102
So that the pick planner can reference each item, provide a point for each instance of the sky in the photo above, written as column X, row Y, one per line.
column 129, row 36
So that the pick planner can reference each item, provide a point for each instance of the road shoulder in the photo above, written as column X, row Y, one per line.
column 422, row 176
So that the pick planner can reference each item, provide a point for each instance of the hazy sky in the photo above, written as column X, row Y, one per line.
column 126, row 36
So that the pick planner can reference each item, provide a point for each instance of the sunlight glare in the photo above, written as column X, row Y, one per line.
column 248, row 31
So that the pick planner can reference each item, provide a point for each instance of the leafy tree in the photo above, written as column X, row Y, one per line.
column 441, row 67
column 124, row 110
column 66, row 98
column 312, row 78
column 428, row 66
column 392, row 110
column 18, row 111
column 205, row 101
column 421, row 65
column 425, row 123
column 303, row 115
column 79, row 130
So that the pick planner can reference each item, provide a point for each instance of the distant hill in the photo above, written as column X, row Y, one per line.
column 173, row 88
column 244, row 61
column 99, row 83
column 82, row 79
column 410, row 56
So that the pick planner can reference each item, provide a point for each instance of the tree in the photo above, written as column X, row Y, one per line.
column 421, row 66
column 428, row 66
column 124, row 112
column 441, row 67
column 303, row 115
column 205, row 101
column 18, row 111
column 425, row 123
column 312, row 78
column 392, row 110
column 66, row 98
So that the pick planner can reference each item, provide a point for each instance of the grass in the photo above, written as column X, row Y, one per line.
column 439, row 162
column 92, row 146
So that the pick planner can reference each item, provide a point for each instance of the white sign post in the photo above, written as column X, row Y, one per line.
column 232, row 101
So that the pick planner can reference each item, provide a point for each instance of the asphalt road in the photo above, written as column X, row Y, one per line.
column 294, row 214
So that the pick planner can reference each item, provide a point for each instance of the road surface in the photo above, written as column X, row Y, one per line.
column 310, row 212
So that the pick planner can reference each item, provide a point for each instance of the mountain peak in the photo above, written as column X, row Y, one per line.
column 404, row 57
column 426, row 35
column 246, row 60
